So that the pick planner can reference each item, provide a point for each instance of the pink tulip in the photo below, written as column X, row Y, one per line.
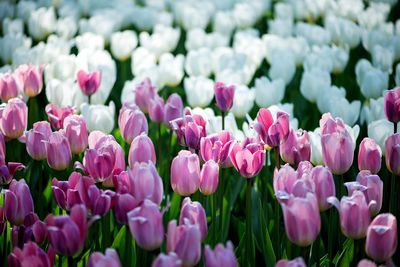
column 285, row 179
column 13, row 118
column 146, row 225
column 89, row 82
column 297, row 262
column 330, row 125
column 7, row 171
column 110, row 259
column 185, row 241
column 366, row 263
column 31, row 229
column 124, row 203
column 2, row 150
column 392, row 105
column 354, row 214
column 32, row 77
column 301, row 217
column 18, row 202
column 264, row 121
column 30, row 255
column 141, row 150
column 56, row 115
column 122, row 183
column 58, row 151
column 216, row 147
column 67, row 233
column 324, row 186
column 173, row 109
column 144, row 92
column 296, row 148
column 209, row 178
column 185, row 173
column 132, row 122
column 392, row 153
column 189, row 130
column 224, row 96
column 8, row 87
column 192, row 212
column 248, row 160
column 36, row 138
column 279, row 130
column 156, row 109
column 76, row 131
column 145, row 183
column 169, row 260
column 221, row 256
column 369, row 156
column 381, row 240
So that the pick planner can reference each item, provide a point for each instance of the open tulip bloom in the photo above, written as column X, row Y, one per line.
column 190, row 133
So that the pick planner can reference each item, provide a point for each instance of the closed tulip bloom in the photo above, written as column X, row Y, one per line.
column 324, row 186
column 32, row 80
column 167, row 260
column 279, row 130
column 31, row 254
column 173, row 109
column 189, row 130
column 132, row 122
column 110, row 258
column 220, row 256
column 216, row 147
column 56, row 115
column 99, row 200
column 296, row 148
column 144, row 92
column 8, row 87
column 58, row 151
column 145, row 182
column 209, row 178
column 301, row 217
column 185, row 241
column 264, row 121
column 185, row 173
column 18, row 202
column 392, row 105
column 100, row 162
column 13, row 118
column 194, row 213
column 67, row 233
column 366, row 263
column 89, row 82
column 146, row 225
column 35, row 146
column 224, row 96
column 369, row 156
column 156, row 109
column 285, row 179
column 381, row 242
column 8, row 170
column 297, row 262
column 124, row 203
column 247, row 160
column 392, row 153
column 141, row 150
column 354, row 214
column 76, row 131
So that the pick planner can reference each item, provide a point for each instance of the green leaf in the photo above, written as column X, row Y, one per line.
column 262, row 236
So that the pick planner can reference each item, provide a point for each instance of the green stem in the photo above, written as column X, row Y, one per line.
column 249, row 230
column 213, row 220
column 221, row 189
column 5, row 244
column 128, row 245
column 223, row 120
column 392, row 195
column 71, row 262
column 394, row 127
column 277, row 209
column 330, row 235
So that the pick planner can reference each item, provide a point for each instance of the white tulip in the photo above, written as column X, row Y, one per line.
column 397, row 77
column 89, row 40
column 243, row 101
column 24, row 9
column 324, row 98
column 314, row 34
column 163, row 39
column 99, row 117
column 312, row 83
column 372, row 81
column 123, row 43
column 380, row 130
column 128, row 91
column 103, row 23
column 199, row 91
column 231, row 126
column 67, row 27
column 63, row 68
column 193, row 14
column 13, row 26
column 142, row 59
column 244, row 14
column 283, row 66
column 64, row 93
column 348, row 111
column 199, row 62
column 320, row 57
column 10, row 43
column 382, row 58
column 283, row 10
column 316, row 147
column 371, row 38
column 198, row 38
column 268, row 92
column 223, row 23
column 170, row 69
column 281, row 27
column 42, row 22
column 372, row 111
column 373, row 16
column 248, row 43
column 347, row 9
column 344, row 32
column 353, row 131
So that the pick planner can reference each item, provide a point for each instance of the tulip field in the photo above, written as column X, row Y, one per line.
column 216, row 133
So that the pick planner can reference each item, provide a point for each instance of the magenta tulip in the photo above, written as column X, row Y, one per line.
column 146, row 225
column 56, row 115
column 194, row 213
column 132, row 122
column 124, row 203
column 167, row 260
column 30, row 255
column 110, row 259
column 324, row 186
column 391, row 105
column 264, row 121
column 2, row 221
column 141, row 150
column 297, row 262
column 369, row 156
column 13, row 118
column 382, row 240
column 32, row 77
column 296, row 148
column 156, row 109
column 76, row 132
column 144, row 92
column 18, row 202
column 224, row 96
column 100, row 162
column 7, row 172
column 173, row 109
column 185, row 173
column 8, row 87
column 248, row 160
column 2, row 150
column 209, row 178
column 221, row 256
column 279, row 130
column 58, row 151
column 89, row 82
column 392, row 153
column 216, row 147
column 36, row 138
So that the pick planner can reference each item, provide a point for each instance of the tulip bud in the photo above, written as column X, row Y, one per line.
column 146, row 225
column 209, row 178
column 76, row 132
column 99, row 200
column 18, row 202
column 224, row 96
column 89, row 82
column 56, row 115
column 58, row 151
column 194, row 213
column 30, row 254
column 284, row 179
column 141, row 150
column 381, row 242
column 247, row 160
column 324, row 186
column 221, row 256
column 144, row 92
column 392, row 105
column 132, row 122
column 36, row 138
column 110, row 259
column 124, row 203
column 8, row 87
column 7, row 171
column 33, row 80
column 173, row 109
column 185, row 173
column 156, row 109
column 296, row 148
column 279, row 130
column 392, row 153
column 300, row 231
column 216, row 147
column 264, row 121
column 169, row 260
column 13, row 118
column 369, row 156
column 185, row 241
column 297, row 262
column 100, row 162
column 366, row 263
